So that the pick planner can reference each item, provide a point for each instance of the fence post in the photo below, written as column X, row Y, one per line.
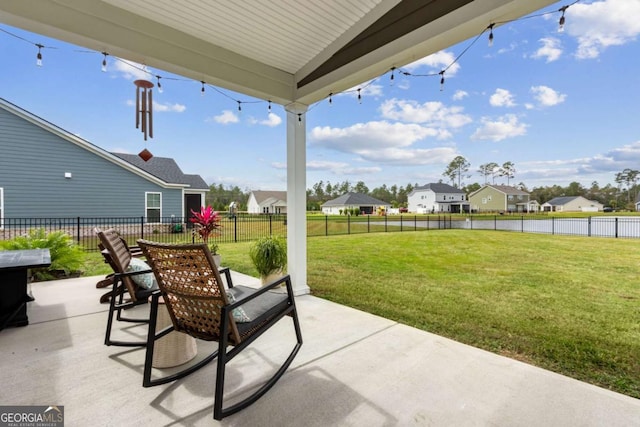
column 401, row 224
column 235, row 228
column 326, row 225
column 522, row 224
column 385, row 223
column 78, row 230
column 495, row 222
column 470, row 222
column 415, row 223
column 553, row 225
column 368, row 223
column 616, row 227
column 270, row 225
column 142, row 227
column 589, row 227
column 348, row 224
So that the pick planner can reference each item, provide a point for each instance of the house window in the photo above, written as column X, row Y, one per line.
column 265, row 209
column 510, row 196
column 484, row 201
column 153, row 206
column 489, row 198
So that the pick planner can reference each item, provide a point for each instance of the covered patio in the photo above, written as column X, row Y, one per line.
column 354, row 369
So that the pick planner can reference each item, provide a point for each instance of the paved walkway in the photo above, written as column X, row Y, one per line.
column 354, row 369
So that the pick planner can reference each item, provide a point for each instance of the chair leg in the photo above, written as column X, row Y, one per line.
column 152, row 336
column 117, row 307
column 218, row 412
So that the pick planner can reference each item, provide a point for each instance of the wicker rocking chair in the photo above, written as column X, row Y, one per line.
column 118, row 255
column 200, row 306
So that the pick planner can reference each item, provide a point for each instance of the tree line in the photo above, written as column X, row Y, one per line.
column 620, row 196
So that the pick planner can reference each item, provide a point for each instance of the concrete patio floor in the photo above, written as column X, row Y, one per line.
column 354, row 369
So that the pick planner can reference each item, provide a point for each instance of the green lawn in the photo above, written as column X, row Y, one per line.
column 567, row 304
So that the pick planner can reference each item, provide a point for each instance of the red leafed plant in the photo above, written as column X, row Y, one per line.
column 206, row 221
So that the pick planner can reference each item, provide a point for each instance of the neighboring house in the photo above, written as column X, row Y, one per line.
column 367, row 205
column 437, row 197
column 267, row 202
column 75, row 178
column 500, row 198
column 572, row 204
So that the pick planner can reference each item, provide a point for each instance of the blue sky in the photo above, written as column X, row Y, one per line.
column 562, row 106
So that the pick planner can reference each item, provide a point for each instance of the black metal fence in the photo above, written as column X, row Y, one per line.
column 247, row 227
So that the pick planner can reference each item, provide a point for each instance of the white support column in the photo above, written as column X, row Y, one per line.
column 297, row 197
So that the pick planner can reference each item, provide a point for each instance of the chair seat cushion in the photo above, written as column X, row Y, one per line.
column 259, row 309
column 145, row 281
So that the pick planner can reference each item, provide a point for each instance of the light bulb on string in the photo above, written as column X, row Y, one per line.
column 39, row 55
column 393, row 69
column 299, row 119
column 269, row 107
column 561, row 21
column 202, row 90
column 359, row 96
column 158, row 84
column 441, row 80
column 104, row 62
column 330, row 98
column 239, row 106
column 491, row 35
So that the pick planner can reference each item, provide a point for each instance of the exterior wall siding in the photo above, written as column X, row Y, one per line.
column 33, row 164
column 426, row 201
column 494, row 200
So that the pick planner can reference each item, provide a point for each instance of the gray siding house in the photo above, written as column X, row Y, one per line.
column 76, row 178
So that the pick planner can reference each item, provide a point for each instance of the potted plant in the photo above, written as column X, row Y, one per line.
column 207, row 222
column 269, row 257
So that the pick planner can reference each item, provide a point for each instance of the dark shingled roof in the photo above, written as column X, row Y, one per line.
column 352, row 199
column 507, row 189
column 558, row 201
column 439, row 187
column 166, row 169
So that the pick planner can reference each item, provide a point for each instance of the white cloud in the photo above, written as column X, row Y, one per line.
column 382, row 142
column 504, row 127
column 546, row 96
column 550, row 49
column 435, row 63
column 132, row 70
column 460, row 94
column 271, row 121
column 168, row 107
column 502, row 98
column 602, row 24
column 226, row 117
column 432, row 113
column 325, row 165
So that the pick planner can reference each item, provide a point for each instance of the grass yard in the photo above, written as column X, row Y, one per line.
column 567, row 304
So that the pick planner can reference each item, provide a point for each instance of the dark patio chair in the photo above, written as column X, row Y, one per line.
column 118, row 255
column 200, row 306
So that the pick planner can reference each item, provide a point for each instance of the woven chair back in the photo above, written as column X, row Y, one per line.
column 119, row 257
column 192, row 288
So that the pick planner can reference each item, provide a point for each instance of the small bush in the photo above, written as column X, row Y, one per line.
column 66, row 256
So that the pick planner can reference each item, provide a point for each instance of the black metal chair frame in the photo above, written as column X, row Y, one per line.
column 223, row 354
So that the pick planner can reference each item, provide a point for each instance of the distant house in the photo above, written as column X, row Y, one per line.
column 267, row 202
column 572, row 204
column 365, row 204
column 78, row 179
column 437, row 197
column 500, row 198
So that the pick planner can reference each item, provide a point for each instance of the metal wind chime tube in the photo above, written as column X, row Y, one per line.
column 144, row 113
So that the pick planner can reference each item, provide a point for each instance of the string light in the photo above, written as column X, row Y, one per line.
column 491, row 35
column 104, row 62
column 39, row 55
column 299, row 118
column 561, row 24
column 563, row 9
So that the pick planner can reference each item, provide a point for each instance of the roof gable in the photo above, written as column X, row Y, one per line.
column 166, row 169
column 82, row 143
column 261, row 196
column 438, row 187
column 355, row 199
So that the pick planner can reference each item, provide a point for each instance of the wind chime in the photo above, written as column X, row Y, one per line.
column 144, row 113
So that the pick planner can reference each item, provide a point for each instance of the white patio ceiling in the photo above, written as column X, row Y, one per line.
column 280, row 50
